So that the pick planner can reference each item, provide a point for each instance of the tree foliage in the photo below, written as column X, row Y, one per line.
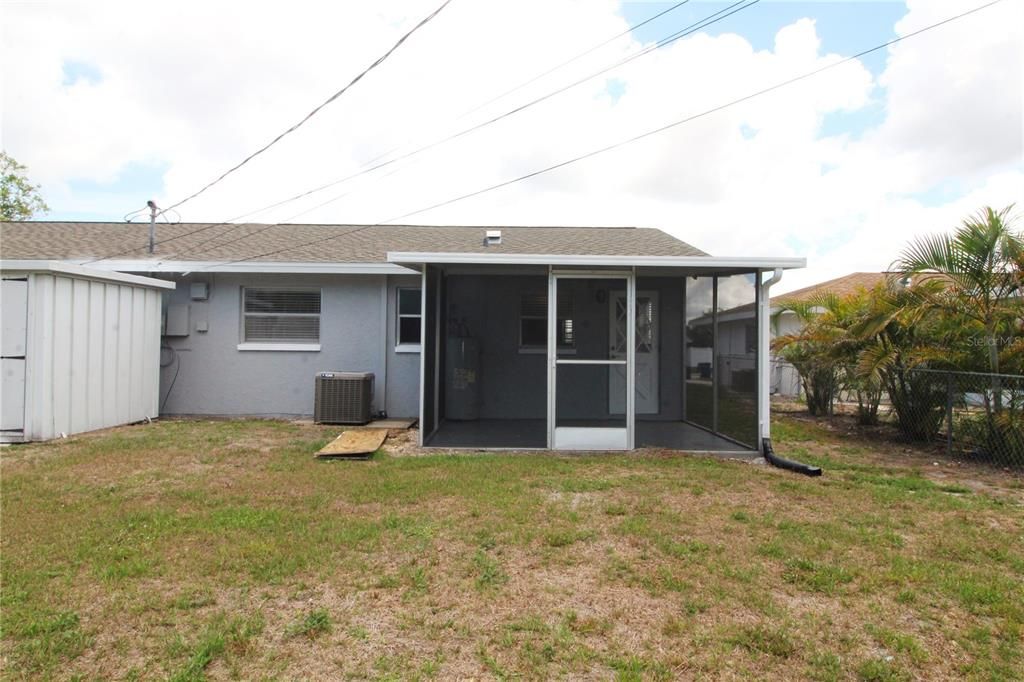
column 979, row 267
column 19, row 198
column 952, row 302
column 825, row 353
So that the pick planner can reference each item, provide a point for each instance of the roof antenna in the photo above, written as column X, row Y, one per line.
column 152, row 225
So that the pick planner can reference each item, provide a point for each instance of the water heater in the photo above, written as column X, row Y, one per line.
column 462, row 379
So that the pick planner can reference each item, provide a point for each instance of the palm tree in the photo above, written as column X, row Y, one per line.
column 807, row 351
column 898, row 338
column 825, row 352
column 979, row 266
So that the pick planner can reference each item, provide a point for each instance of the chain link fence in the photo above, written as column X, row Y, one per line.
column 976, row 416
column 973, row 416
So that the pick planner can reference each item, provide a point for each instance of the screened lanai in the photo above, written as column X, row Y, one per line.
column 535, row 355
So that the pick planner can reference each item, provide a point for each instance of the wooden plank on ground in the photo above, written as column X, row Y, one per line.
column 357, row 443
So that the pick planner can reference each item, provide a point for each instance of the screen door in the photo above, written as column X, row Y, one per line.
column 584, row 357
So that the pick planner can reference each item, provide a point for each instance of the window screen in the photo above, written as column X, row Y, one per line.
column 280, row 315
column 410, row 312
column 533, row 322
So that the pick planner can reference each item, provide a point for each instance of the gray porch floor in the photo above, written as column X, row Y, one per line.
column 491, row 433
column 683, row 436
column 532, row 433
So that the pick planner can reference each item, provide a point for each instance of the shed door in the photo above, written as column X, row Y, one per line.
column 13, row 337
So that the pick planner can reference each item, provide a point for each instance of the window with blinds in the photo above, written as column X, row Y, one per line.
column 280, row 315
column 533, row 322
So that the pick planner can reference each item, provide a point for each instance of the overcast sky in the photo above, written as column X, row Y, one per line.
column 113, row 103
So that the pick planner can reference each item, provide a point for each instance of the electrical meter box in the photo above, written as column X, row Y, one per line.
column 176, row 320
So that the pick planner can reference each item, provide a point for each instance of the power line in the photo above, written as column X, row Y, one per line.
column 303, row 212
column 311, row 114
column 667, row 40
column 569, row 61
column 534, row 79
column 131, row 215
column 267, row 227
column 621, row 143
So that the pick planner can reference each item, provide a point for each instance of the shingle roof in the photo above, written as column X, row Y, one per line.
column 326, row 243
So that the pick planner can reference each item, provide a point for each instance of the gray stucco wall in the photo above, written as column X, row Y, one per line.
column 214, row 377
column 358, row 333
column 403, row 386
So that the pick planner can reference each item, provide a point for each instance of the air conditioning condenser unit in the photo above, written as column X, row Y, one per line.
column 343, row 397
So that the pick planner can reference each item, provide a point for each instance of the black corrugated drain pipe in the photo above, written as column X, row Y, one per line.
column 783, row 463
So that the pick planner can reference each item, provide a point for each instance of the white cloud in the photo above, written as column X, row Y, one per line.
column 200, row 85
column 876, row 238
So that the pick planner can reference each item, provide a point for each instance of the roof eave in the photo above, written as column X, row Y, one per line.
column 703, row 262
column 280, row 267
column 14, row 267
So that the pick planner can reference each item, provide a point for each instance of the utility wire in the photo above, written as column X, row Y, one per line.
column 667, row 40
column 196, row 247
column 130, row 216
column 581, row 55
column 163, row 214
column 267, row 227
column 315, row 111
column 543, row 74
column 621, row 143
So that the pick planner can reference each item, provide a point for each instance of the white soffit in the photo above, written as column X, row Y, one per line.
column 265, row 267
column 704, row 262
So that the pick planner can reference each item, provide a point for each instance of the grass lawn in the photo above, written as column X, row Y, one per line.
column 186, row 550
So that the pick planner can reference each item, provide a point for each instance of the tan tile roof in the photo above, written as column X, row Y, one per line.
column 330, row 243
column 840, row 286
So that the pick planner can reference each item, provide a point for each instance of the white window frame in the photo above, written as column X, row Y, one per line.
column 541, row 349
column 406, row 347
column 295, row 345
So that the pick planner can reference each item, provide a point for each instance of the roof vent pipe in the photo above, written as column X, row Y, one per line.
column 492, row 238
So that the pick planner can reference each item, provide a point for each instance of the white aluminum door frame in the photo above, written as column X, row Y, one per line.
column 581, row 438
column 428, row 364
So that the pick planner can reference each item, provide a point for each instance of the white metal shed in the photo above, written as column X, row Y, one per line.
column 80, row 349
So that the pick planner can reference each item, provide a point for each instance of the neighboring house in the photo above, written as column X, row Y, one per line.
column 510, row 337
column 785, row 380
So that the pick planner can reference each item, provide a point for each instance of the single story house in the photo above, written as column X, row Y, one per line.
column 577, row 338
